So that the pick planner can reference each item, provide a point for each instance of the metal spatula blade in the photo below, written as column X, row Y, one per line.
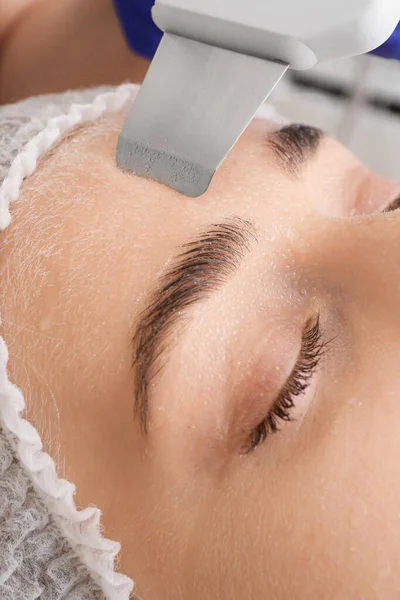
column 194, row 104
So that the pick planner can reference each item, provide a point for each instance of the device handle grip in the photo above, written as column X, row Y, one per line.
column 141, row 33
column 143, row 36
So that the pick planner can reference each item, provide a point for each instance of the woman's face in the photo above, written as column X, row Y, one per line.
column 274, row 296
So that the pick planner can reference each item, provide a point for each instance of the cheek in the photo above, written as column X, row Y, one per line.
column 302, row 522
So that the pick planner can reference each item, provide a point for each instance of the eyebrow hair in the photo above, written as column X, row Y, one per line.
column 202, row 267
column 293, row 145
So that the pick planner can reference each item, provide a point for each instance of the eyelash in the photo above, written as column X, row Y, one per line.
column 395, row 205
column 312, row 349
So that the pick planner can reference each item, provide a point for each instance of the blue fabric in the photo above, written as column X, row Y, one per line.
column 391, row 48
column 142, row 35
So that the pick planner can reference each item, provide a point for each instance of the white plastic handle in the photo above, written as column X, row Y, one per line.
column 300, row 33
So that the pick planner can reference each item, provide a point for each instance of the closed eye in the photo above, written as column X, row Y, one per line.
column 312, row 349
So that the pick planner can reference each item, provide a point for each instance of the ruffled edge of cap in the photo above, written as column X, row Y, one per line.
column 82, row 528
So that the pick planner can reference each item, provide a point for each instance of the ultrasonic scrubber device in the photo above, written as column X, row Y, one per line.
column 217, row 63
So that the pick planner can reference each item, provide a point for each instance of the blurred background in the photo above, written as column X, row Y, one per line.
column 357, row 100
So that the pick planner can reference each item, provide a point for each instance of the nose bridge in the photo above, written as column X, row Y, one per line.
column 361, row 256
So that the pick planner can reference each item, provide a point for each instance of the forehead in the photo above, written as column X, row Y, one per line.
column 263, row 188
column 250, row 183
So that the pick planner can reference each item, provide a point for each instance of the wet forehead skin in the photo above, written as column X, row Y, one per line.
column 81, row 258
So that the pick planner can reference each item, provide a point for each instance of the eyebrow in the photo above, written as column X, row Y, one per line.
column 294, row 145
column 203, row 266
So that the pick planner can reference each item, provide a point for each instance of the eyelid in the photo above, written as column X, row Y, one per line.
column 286, row 404
column 375, row 195
column 259, row 378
